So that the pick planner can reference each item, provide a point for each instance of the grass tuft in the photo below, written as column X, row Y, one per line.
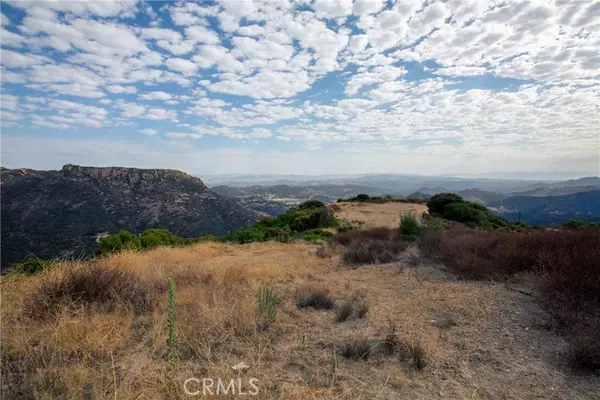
column 314, row 297
column 418, row 355
column 373, row 252
column 102, row 288
column 361, row 235
column 343, row 312
column 355, row 308
column 357, row 350
column 391, row 343
column 267, row 306
column 584, row 349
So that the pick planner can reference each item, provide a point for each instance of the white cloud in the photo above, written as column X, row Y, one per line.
column 201, row 34
column 72, row 89
column 9, row 102
column 101, row 8
column 161, row 34
column 13, row 59
column 191, row 14
column 461, row 71
column 181, row 65
column 251, row 30
column 183, row 135
column 4, row 20
column 365, row 7
column 119, row 89
column 158, row 95
column 333, row 8
column 148, row 131
column 134, row 110
column 10, row 38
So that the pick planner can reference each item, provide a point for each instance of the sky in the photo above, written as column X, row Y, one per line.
column 309, row 87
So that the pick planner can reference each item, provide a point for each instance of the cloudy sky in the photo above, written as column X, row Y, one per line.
column 321, row 86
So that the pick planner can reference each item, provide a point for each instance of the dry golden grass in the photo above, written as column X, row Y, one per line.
column 84, row 351
column 374, row 215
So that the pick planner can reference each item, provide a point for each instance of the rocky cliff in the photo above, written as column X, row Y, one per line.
column 61, row 213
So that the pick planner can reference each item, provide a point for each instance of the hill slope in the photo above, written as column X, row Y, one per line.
column 60, row 213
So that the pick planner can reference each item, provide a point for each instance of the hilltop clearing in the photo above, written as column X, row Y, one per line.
column 375, row 215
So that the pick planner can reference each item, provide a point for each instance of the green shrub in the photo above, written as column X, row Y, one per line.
column 345, row 228
column 314, row 234
column 518, row 225
column 278, row 234
column 308, row 205
column 432, row 224
column 579, row 224
column 33, row 266
column 305, row 222
column 410, row 228
column 267, row 222
column 498, row 222
column 207, row 238
column 248, row 235
column 152, row 238
column 467, row 213
column 438, row 202
column 123, row 240
column 362, row 197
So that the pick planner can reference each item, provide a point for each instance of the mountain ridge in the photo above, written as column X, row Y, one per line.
column 61, row 213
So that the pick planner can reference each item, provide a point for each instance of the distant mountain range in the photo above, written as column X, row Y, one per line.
column 550, row 210
column 61, row 213
column 555, row 191
column 530, row 199
column 401, row 184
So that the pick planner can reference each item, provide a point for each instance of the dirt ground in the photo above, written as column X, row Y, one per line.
column 484, row 341
column 373, row 215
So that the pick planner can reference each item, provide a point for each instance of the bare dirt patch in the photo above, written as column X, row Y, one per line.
column 375, row 215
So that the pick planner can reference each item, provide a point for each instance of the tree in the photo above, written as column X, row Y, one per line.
column 437, row 202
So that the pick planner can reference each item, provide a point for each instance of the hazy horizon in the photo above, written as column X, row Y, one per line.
column 257, row 177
